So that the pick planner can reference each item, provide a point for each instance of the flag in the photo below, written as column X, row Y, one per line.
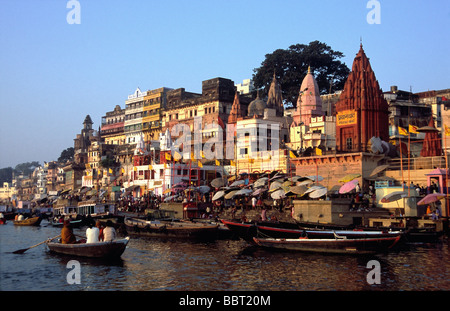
column 200, row 164
column 318, row 151
column 413, row 129
column 251, row 160
column 168, row 156
column 291, row 154
column 110, row 171
column 135, row 168
column 150, row 167
column 217, row 162
column 192, row 156
column 202, row 154
column 123, row 170
column 232, row 163
column 447, row 130
column 402, row 131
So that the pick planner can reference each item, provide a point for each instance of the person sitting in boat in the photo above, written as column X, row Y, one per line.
column 67, row 236
column 92, row 234
column 109, row 233
column 98, row 224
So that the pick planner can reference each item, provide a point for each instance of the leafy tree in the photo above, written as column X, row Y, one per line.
column 6, row 175
column 291, row 66
column 26, row 168
column 66, row 155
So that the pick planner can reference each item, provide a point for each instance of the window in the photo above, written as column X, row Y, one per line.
column 349, row 143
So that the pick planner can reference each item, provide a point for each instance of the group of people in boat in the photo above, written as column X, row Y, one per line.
column 94, row 234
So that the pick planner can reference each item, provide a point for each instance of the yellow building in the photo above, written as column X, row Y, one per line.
column 154, row 104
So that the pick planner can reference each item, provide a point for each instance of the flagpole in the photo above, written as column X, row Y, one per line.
column 447, row 201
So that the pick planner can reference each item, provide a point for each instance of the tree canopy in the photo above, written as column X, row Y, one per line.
column 66, row 155
column 291, row 66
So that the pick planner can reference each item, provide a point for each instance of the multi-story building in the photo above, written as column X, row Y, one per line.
column 112, row 129
column 134, row 110
column 154, row 103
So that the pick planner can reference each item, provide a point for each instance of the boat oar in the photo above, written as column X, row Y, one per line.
column 23, row 250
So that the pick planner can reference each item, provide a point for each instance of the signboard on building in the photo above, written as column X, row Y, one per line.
column 346, row 117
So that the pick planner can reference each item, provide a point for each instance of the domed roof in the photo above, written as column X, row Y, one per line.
column 256, row 107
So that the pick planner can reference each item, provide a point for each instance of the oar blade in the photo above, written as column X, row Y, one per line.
column 20, row 251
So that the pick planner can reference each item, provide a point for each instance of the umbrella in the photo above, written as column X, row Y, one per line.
column 430, row 198
column 278, row 194
column 230, row 194
column 244, row 192
column 378, row 169
column 305, row 182
column 393, row 196
column 348, row 186
column 219, row 182
column 274, row 186
column 260, row 182
column 238, row 183
column 318, row 193
column 203, row 189
column 287, row 183
column 259, row 191
column 300, row 190
column 349, row 177
column 313, row 188
column 315, row 177
column 218, row 195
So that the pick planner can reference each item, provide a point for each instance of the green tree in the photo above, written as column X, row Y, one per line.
column 26, row 168
column 291, row 66
column 66, row 155
column 6, row 175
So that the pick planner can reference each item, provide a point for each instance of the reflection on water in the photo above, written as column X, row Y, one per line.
column 223, row 265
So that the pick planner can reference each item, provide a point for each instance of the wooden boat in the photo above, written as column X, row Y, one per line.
column 33, row 221
column 248, row 231
column 2, row 221
column 162, row 228
column 338, row 245
column 73, row 223
column 112, row 249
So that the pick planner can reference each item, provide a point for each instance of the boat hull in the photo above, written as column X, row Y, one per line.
column 334, row 246
column 34, row 221
column 248, row 231
column 177, row 229
column 112, row 249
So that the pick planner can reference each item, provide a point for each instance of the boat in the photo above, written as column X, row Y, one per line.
column 2, row 221
column 73, row 223
column 170, row 228
column 248, row 230
column 338, row 245
column 113, row 249
column 33, row 221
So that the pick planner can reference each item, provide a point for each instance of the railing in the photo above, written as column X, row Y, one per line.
column 427, row 163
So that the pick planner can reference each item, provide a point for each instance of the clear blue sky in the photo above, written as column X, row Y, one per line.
column 53, row 74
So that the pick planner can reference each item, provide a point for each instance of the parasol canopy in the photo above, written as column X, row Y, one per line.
column 279, row 194
column 260, row 182
column 348, row 186
column 393, row 196
column 219, row 182
column 238, row 183
column 430, row 198
column 244, row 192
column 318, row 193
column 378, row 169
column 259, row 191
column 349, row 177
column 203, row 189
column 275, row 185
column 299, row 190
column 315, row 178
column 219, row 194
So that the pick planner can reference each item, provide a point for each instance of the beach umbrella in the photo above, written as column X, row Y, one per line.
column 279, row 194
column 393, row 196
column 219, row 182
column 218, row 195
column 203, row 189
column 259, row 191
column 230, row 194
column 313, row 188
column 260, row 182
column 287, row 183
column 315, row 177
column 244, row 192
column 299, row 190
column 238, row 183
column 430, row 198
column 296, row 178
column 378, row 169
column 349, row 177
column 305, row 182
column 274, row 186
column 318, row 193
column 348, row 186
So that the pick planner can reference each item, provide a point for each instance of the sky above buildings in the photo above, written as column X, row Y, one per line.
column 52, row 73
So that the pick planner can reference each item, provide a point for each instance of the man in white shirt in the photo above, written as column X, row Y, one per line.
column 92, row 234
column 109, row 233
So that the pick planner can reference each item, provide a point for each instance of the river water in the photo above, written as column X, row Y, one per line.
column 221, row 265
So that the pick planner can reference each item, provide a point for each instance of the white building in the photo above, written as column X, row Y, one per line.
column 246, row 87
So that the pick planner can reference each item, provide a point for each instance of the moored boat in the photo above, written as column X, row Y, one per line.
column 33, row 221
column 73, row 223
column 113, row 249
column 338, row 245
column 162, row 228
column 2, row 221
column 248, row 231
